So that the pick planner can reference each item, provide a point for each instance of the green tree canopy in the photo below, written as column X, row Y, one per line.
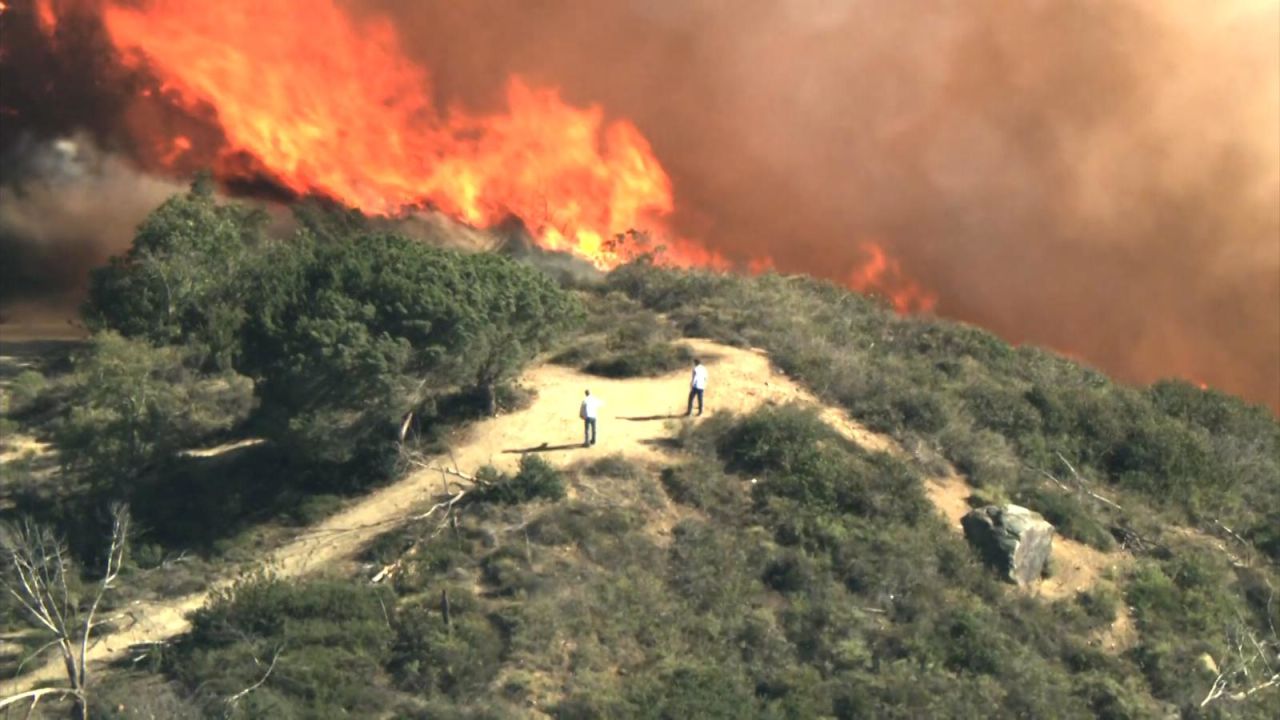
column 352, row 334
column 182, row 280
column 513, row 313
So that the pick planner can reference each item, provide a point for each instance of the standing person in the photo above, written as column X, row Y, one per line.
column 697, row 386
column 589, row 410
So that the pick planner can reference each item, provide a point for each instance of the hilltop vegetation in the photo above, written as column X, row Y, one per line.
column 1003, row 415
column 768, row 567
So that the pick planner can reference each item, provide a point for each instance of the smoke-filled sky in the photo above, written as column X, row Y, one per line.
column 1099, row 177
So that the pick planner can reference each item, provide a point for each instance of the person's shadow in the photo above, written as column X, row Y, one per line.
column 647, row 418
column 544, row 447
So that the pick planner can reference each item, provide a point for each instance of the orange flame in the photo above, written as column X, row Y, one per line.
column 883, row 275
column 177, row 147
column 330, row 105
column 46, row 17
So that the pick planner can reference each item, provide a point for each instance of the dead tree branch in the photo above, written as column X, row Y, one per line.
column 275, row 657
column 35, row 696
column 446, row 507
column 1083, row 485
column 36, row 575
column 1253, row 667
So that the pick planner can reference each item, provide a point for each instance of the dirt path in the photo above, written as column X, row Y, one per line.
column 637, row 417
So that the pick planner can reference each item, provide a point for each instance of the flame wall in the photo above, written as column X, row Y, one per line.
column 1102, row 177
column 1099, row 177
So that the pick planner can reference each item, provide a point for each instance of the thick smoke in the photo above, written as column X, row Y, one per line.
column 1099, row 177
column 1102, row 177
column 65, row 211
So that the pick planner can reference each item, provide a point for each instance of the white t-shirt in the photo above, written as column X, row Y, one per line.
column 590, row 407
column 699, row 377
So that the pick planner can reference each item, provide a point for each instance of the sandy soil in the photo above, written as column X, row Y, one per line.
column 639, row 416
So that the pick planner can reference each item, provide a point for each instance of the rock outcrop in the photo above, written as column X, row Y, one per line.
column 1011, row 538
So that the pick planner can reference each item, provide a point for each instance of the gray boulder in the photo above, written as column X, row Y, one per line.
column 1011, row 538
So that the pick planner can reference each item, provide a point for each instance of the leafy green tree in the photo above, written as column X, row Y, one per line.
column 513, row 313
column 342, row 336
column 182, row 279
column 136, row 403
column 348, row 336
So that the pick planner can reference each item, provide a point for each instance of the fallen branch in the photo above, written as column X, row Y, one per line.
column 141, row 651
column 1230, row 532
column 35, row 695
column 446, row 505
column 1256, row 666
column 231, row 701
column 1084, row 484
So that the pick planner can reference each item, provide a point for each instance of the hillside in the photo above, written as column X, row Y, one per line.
column 329, row 521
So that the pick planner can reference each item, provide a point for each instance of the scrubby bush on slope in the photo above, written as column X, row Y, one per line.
column 1200, row 455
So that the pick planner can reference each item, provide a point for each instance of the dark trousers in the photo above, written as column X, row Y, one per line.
column 694, row 393
column 588, row 431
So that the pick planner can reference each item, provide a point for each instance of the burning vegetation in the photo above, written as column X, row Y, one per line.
column 1045, row 185
column 329, row 105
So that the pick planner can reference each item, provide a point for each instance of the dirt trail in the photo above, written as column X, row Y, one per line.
column 635, row 420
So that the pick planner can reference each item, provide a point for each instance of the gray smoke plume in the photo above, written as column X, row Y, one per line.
column 1101, row 177
column 1098, row 176
column 65, row 207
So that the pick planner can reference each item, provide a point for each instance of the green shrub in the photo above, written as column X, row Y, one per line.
column 457, row 658
column 1001, row 408
column 137, row 405
column 790, row 571
column 578, row 522
column 24, row 390
column 1265, row 535
column 507, row 572
column 704, row 485
column 786, row 439
column 536, row 479
column 1188, row 595
column 691, row 690
column 1100, row 602
column 8, row 428
column 1164, row 460
column 983, row 456
column 581, row 352
column 984, row 496
column 1069, row 516
column 645, row 361
column 330, row 639
column 714, row 569
column 615, row 466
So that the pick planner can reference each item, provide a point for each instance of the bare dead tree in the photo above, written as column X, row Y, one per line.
column 1253, row 663
column 1081, row 485
column 36, row 570
column 452, row 493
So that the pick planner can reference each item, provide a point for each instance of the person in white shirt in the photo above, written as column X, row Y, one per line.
column 589, row 410
column 697, row 386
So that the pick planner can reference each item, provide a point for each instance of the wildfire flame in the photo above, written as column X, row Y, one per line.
column 883, row 275
column 331, row 105
column 46, row 17
column 328, row 104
